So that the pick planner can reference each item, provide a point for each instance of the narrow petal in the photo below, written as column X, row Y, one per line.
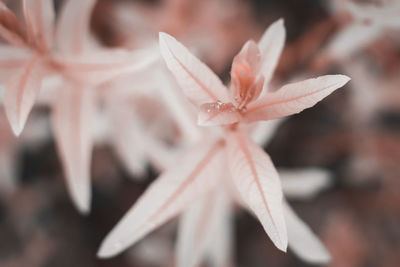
column 74, row 26
column 73, row 116
column 102, row 65
column 205, row 230
column 126, row 139
column 20, row 94
column 172, row 192
column 271, row 45
column 351, row 40
column 194, row 228
column 258, row 183
column 263, row 131
column 211, row 114
column 11, row 28
column 304, row 183
column 197, row 81
column 39, row 17
column 304, row 243
column 12, row 58
column 293, row 98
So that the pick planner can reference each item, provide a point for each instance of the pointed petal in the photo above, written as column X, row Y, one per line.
column 12, row 58
column 304, row 243
column 73, row 116
column 293, row 98
column 205, row 229
column 304, row 183
column 20, row 94
column 39, row 17
column 171, row 193
column 197, row 81
column 350, row 40
column 211, row 114
column 258, row 183
column 102, row 65
column 263, row 131
column 194, row 227
column 74, row 26
column 126, row 139
column 11, row 28
column 271, row 45
column 219, row 247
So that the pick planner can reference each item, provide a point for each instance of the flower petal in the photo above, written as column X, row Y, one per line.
column 39, row 17
column 293, row 98
column 211, row 114
column 73, row 26
column 197, row 81
column 271, row 45
column 73, row 116
column 20, row 94
column 304, row 243
column 11, row 28
column 97, row 67
column 258, row 183
column 304, row 183
column 205, row 229
column 172, row 192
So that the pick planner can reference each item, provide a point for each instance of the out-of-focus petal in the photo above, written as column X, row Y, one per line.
column 73, row 26
column 271, row 45
column 176, row 189
column 102, row 65
column 211, row 114
column 73, row 115
column 258, row 183
column 12, row 58
column 205, row 229
column 39, row 18
column 11, row 28
column 304, row 243
column 350, row 40
column 293, row 98
column 126, row 138
column 262, row 132
column 304, row 183
column 21, row 92
column 197, row 81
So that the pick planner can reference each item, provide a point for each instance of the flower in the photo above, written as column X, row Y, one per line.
column 252, row 178
column 43, row 50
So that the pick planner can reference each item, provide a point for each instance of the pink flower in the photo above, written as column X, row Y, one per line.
column 42, row 50
column 231, row 160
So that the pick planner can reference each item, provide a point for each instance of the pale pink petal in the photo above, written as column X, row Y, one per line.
column 193, row 231
column 351, row 40
column 219, row 248
column 263, row 131
column 271, row 45
column 21, row 92
column 259, row 186
column 39, row 17
column 211, row 114
column 293, row 98
column 304, row 183
column 171, row 193
column 12, row 58
column 126, row 139
column 197, row 81
column 102, row 65
column 73, row 26
column 11, row 28
column 205, row 230
column 249, row 54
column 73, row 117
column 304, row 243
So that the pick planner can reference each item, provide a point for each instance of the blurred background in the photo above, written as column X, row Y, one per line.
column 354, row 134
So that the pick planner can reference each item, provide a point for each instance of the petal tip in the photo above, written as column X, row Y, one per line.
column 107, row 251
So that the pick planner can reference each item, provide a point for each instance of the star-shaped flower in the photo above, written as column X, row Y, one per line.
column 42, row 50
column 231, row 158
